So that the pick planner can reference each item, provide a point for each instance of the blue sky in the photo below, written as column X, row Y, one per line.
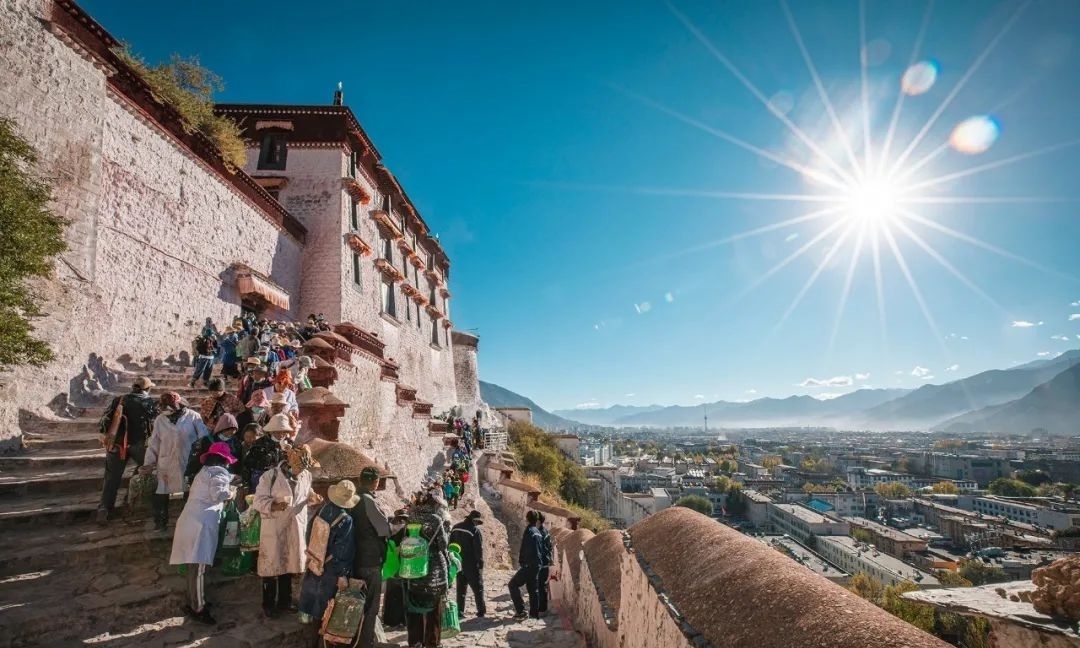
column 527, row 139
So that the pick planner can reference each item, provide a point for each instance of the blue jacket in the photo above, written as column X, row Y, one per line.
column 531, row 553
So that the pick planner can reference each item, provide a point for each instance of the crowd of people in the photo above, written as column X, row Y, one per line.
column 241, row 445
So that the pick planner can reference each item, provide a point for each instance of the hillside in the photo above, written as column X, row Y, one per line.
column 606, row 415
column 930, row 405
column 497, row 396
column 1053, row 406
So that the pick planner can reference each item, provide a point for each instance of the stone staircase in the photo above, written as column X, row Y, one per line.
column 64, row 581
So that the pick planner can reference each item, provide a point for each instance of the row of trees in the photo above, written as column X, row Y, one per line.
column 961, row 631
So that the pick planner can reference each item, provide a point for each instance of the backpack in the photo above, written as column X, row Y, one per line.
column 318, row 540
column 547, row 552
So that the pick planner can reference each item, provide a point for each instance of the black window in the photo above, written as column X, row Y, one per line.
column 388, row 249
column 352, row 164
column 273, row 152
column 418, row 317
column 356, row 268
column 435, row 331
column 275, row 194
column 354, row 216
column 388, row 305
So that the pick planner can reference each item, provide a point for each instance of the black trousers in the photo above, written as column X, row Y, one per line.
column 114, row 473
column 393, row 608
column 475, row 580
column 373, row 577
column 542, row 589
column 277, row 591
column 161, row 509
column 424, row 629
column 527, row 576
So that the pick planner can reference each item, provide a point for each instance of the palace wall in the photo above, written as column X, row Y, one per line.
column 153, row 228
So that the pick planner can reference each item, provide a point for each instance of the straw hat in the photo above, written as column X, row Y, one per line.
column 143, row 382
column 278, row 423
column 343, row 494
column 253, row 362
column 220, row 449
column 279, row 399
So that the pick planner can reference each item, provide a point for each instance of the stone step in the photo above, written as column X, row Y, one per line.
column 78, row 438
column 77, row 482
column 82, row 545
column 52, row 460
column 49, row 509
column 36, row 425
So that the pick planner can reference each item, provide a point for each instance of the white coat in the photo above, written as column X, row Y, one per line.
column 290, row 399
column 196, row 537
column 283, row 535
column 170, row 446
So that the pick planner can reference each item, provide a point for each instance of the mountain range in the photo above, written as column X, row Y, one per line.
column 1041, row 394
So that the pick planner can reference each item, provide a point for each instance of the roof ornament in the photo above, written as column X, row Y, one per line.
column 339, row 95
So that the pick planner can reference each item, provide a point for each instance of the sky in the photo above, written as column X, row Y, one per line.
column 653, row 203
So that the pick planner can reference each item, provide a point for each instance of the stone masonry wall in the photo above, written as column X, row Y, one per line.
column 466, row 372
column 152, row 228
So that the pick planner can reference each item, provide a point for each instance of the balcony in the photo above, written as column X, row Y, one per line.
column 386, row 224
column 434, row 275
column 447, row 323
column 405, row 394
column 388, row 270
column 353, row 187
column 415, row 259
column 444, row 292
column 365, row 342
column 422, row 409
column 357, row 244
column 389, row 371
column 434, row 311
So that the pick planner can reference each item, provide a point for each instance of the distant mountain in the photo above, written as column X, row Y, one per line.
column 497, row 396
column 606, row 415
column 930, row 405
column 763, row 412
column 1053, row 406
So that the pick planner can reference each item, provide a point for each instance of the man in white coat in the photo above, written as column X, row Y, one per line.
column 196, row 539
column 176, row 429
column 282, row 498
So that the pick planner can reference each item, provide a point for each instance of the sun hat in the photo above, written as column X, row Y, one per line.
column 143, row 382
column 226, row 421
column 258, row 399
column 278, row 423
column 303, row 454
column 253, row 361
column 278, row 399
column 343, row 494
column 220, row 449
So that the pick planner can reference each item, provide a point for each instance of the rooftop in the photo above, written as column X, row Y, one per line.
column 804, row 514
column 987, row 601
column 882, row 560
column 882, row 530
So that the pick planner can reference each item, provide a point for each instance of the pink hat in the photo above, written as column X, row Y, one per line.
column 220, row 449
column 258, row 399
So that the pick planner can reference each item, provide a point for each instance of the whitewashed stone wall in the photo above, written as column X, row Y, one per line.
column 152, row 229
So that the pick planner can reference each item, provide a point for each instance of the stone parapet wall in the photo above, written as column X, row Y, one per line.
column 679, row 579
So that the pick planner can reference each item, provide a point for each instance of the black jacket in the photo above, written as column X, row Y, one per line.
column 140, row 410
column 471, row 539
column 372, row 531
column 531, row 553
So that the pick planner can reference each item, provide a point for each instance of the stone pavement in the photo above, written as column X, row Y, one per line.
column 499, row 629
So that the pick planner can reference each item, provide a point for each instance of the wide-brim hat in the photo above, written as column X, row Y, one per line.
column 279, row 399
column 220, row 449
column 143, row 382
column 343, row 494
column 303, row 451
column 253, row 362
column 278, row 423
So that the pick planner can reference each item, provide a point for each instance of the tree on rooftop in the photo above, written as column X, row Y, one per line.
column 980, row 573
column 949, row 578
column 1033, row 477
column 736, row 500
column 30, row 236
column 892, row 490
column 945, row 488
column 1007, row 487
column 770, row 462
column 696, row 503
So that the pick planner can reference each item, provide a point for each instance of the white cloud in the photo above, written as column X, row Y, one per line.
column 1048, row 354
column 1075, row 303
column 589, row 404
column 928, row 378
column 1060, row 338
column 643, row 307
column 835, row 381
column 1027, row 324
column 862, row 376
column 698, row 397
column 828, row 396
column 954, row 336
column 791, row 237
column 953, row 367
column 630, row 395
column 669, row 297
column 1074, row 317
column 750, row 391
column 920, row 372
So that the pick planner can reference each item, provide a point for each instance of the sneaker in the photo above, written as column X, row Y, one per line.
column 521, row 615
column 102, row 516
column 204, row 617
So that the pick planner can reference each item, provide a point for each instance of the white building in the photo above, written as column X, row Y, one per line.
column 800, row 522
column 870, row 477
column 853, row 557
column 1019, row 511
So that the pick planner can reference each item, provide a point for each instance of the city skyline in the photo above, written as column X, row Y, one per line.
column 613, row 187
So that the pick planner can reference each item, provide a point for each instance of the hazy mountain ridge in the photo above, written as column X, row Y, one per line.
column 1040, row 394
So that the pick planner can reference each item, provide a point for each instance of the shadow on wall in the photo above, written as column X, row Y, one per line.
column 92, row 386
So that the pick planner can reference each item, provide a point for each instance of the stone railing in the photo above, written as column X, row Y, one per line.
column 679, row 579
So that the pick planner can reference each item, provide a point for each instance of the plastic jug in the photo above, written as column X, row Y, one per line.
column 454, row 553
column 230, row 530
column 413, row 553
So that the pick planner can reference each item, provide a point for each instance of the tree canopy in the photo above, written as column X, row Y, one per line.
column 697, row 503
column 30, row 236
column 1007, row 487
column 945, row 488
column 892, row 490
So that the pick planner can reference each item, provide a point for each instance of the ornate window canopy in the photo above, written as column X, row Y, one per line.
column 251, row 282
column 353, row 187
column 358, row 245
column 386, row 224
column 388, row 270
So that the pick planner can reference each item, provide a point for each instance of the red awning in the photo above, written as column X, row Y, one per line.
column 250, row 282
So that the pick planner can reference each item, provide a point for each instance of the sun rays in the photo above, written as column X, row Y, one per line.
column 865, row 199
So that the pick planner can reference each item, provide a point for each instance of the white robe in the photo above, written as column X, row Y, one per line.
column 283, row 534
column 196, row 537
column 170, row 446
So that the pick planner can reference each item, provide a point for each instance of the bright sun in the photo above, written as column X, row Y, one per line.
column 873, row 201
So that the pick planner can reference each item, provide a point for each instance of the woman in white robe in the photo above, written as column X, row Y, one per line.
column 282, row 498
column 175, row 430
column 196, row 539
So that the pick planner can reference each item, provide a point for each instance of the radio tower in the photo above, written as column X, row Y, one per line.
column 705, row 408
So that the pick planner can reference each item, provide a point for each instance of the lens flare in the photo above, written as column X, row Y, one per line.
column 919, row 78
column 974, row 135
